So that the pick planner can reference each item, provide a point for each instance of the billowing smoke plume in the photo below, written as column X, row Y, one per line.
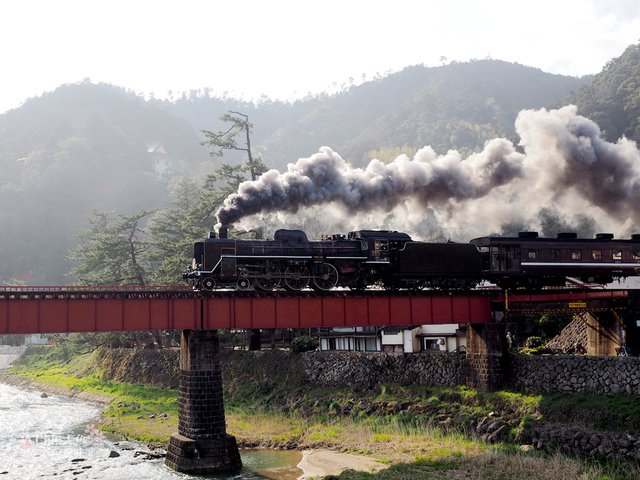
column 567, row 177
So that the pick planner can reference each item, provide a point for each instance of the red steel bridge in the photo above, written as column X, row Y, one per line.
column 25, row 310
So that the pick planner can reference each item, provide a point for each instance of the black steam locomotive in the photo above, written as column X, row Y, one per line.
column 392, row 260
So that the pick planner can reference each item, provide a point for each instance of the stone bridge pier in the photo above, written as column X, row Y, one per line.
column 486, row 350
column 201, row 445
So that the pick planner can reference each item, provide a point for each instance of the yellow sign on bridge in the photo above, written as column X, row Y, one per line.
column 577, row 304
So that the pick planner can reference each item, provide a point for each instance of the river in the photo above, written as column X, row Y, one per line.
column 55, row 437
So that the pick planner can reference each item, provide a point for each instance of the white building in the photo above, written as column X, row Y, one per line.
column 351, row 339
column 397, row 339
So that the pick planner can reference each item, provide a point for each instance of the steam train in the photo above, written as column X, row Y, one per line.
column 392, row 260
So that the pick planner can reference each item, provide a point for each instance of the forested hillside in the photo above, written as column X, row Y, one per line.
column 457, row 106
column 85, row 146
column 80, row 148
column 612, row 99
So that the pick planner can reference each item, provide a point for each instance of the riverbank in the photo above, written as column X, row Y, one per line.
column 155, row 428
column 268, row 404
column 30, row 384
column 315, row 463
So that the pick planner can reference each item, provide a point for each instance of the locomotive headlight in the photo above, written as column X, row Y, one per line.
column 194, row 264
column 364, row 245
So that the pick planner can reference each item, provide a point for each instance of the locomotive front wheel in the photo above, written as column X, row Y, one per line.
column 296, row 278
column 243, row 283
column 326, row 277
column 208, row 284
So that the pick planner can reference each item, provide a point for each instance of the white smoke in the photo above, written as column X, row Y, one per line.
column 568, row 177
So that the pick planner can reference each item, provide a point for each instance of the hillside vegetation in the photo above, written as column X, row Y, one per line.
column 612, row 99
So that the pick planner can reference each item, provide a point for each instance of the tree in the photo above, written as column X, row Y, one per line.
column 175, row 229
column 227, row 140
column 111, row 251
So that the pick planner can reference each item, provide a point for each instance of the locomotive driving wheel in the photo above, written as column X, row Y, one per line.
column 270, row 279
column 326, row 277
column 296, row 278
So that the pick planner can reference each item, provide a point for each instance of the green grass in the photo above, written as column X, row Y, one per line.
column 616, row 413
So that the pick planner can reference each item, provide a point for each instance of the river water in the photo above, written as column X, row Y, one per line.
column 56, row 437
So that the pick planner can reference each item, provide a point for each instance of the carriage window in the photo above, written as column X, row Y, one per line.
column 596, row 255
column 555, row 254
column 616, row 254
column 636, row 255
column 505, row 258
column 533, row 254
column 576, row 255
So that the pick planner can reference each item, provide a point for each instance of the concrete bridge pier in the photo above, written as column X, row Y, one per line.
column 201, row 445
column 486, row 349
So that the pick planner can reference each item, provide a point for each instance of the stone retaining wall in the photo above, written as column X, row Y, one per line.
column 526, row 373
column 367, row 370
column 578, row 374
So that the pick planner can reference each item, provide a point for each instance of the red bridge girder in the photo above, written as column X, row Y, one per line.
column 25, row 310
column 343, row 311
column 60, row 310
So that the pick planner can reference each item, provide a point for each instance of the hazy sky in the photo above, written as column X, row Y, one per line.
column 284, row 49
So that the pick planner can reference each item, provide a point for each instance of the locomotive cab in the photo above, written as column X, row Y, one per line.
column 198, row 256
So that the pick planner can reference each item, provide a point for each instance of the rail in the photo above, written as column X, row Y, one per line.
column 183, row 291
column 94, row 291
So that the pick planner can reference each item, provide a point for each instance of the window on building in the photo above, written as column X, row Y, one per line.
column 596, row 255
column 367, row 329
column 576, row 255
column 431, row 344
column 616, row 255
column 371, row 344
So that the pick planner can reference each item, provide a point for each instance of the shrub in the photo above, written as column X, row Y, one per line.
column 533, row 342
column 303, row 344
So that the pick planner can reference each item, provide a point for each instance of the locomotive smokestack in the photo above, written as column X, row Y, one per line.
column 222, row 233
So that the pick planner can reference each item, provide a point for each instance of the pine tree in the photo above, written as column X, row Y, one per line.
column 111, row 251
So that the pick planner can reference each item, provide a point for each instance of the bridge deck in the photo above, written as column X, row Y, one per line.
column 83, row 309
column 27, row 310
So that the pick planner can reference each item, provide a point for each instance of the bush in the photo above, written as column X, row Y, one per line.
column 303, row 344
column 533, row 342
